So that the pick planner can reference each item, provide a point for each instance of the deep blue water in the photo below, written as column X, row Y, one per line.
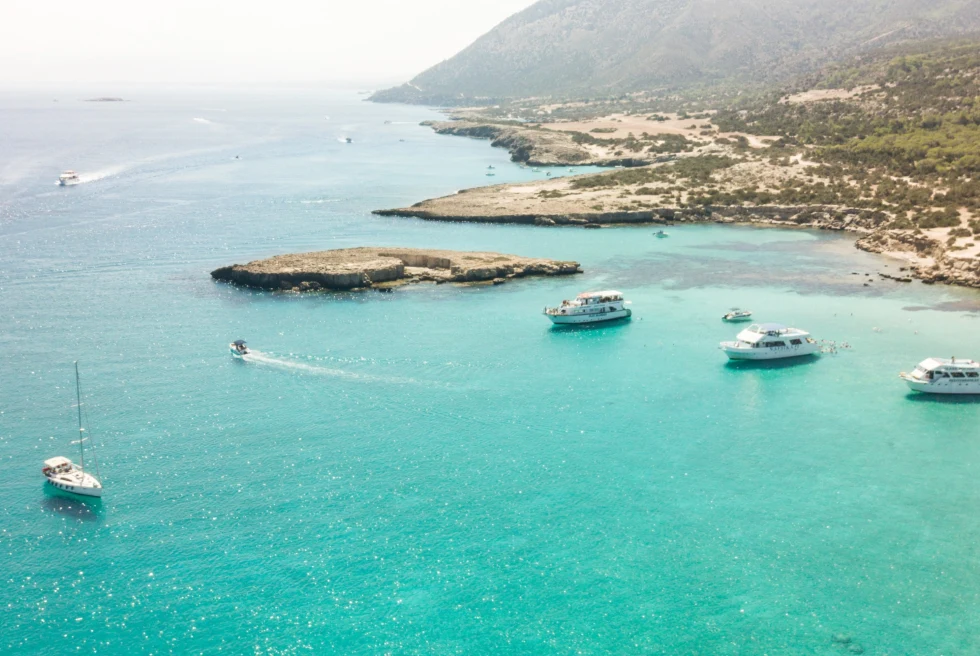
column 436, row 470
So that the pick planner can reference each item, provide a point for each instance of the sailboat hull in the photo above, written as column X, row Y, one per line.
column 76, row 482
column 77, row 489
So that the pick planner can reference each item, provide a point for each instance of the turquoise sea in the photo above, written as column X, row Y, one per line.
column 436, row 470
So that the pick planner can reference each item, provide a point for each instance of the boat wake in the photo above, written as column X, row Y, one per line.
column 95, row 176
column 269, row 360
column 101, row 174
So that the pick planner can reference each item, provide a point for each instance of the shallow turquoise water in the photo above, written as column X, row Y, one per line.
column 436, row 470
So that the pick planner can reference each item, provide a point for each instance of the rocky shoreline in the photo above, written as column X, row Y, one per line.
column 385, row 268
column 538, row 146
column 928, row 259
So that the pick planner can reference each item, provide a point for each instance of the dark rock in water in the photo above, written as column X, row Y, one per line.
column 362, row 268
column 592, row 226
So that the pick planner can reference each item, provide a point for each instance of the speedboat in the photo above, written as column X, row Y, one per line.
column 590, row 307
column 660, row 234
column 68, row 178
column 490, row 168
column 239, row 348
column 67, row 476
column 941, row 376
column 770, row 341
column 348, row 140
column 737, row 315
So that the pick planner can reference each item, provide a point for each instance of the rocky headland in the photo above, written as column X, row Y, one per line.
column 381, row 268
column 588, row 202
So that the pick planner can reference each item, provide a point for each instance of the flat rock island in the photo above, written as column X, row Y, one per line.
column 363, row 268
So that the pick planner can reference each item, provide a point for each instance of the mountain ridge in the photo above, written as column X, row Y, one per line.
column 587, row 48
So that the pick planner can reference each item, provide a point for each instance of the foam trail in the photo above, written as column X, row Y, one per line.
column 202, row 120
column 99, row 175
column 258, row 357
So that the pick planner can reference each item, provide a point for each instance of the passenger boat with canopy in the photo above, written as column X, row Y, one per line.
column 590, row 307
column 239, row 348
column 770, row 341
column 65, row 475
column 941, row 376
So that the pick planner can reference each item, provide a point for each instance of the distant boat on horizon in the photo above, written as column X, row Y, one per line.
column 68, row 178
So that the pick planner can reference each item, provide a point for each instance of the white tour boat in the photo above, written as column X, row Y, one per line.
column 68, row 178
column 941, row 376
column 238, row 348
column 770, row 341
column 590, row 307
column 738, row 315
column 65, row 475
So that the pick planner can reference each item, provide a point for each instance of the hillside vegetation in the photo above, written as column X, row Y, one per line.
column 594, row 48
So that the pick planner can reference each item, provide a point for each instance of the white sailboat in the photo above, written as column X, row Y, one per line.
column 65, row 475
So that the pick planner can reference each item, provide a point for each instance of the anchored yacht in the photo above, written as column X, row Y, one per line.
column 941, row 376
column 65, row 475
column 68, row 178
column 770, row 341
column 590, row 307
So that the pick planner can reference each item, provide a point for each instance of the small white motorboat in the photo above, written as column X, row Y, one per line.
column 590, row 307
column 490, row 168
column 941, row 376
column 67, row 476
column 238, row 348
column 68, row 178
column 660, row 234
column 738, row 315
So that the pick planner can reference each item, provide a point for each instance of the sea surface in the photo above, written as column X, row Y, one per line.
column 437, row 470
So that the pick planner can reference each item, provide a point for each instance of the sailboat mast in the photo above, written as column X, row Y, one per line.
column 81, row 431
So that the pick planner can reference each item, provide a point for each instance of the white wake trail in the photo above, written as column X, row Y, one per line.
column 258, row 357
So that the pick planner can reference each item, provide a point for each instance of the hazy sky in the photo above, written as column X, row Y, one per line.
column 234, row 42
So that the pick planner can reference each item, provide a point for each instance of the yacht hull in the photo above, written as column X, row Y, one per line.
column 944, row 386
column 773, row 353
column 599, row 317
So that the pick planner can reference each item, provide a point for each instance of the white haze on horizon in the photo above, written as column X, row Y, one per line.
column 246, row 42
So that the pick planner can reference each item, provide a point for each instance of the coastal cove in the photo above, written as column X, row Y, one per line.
column 643, row 195
column 438, row 469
